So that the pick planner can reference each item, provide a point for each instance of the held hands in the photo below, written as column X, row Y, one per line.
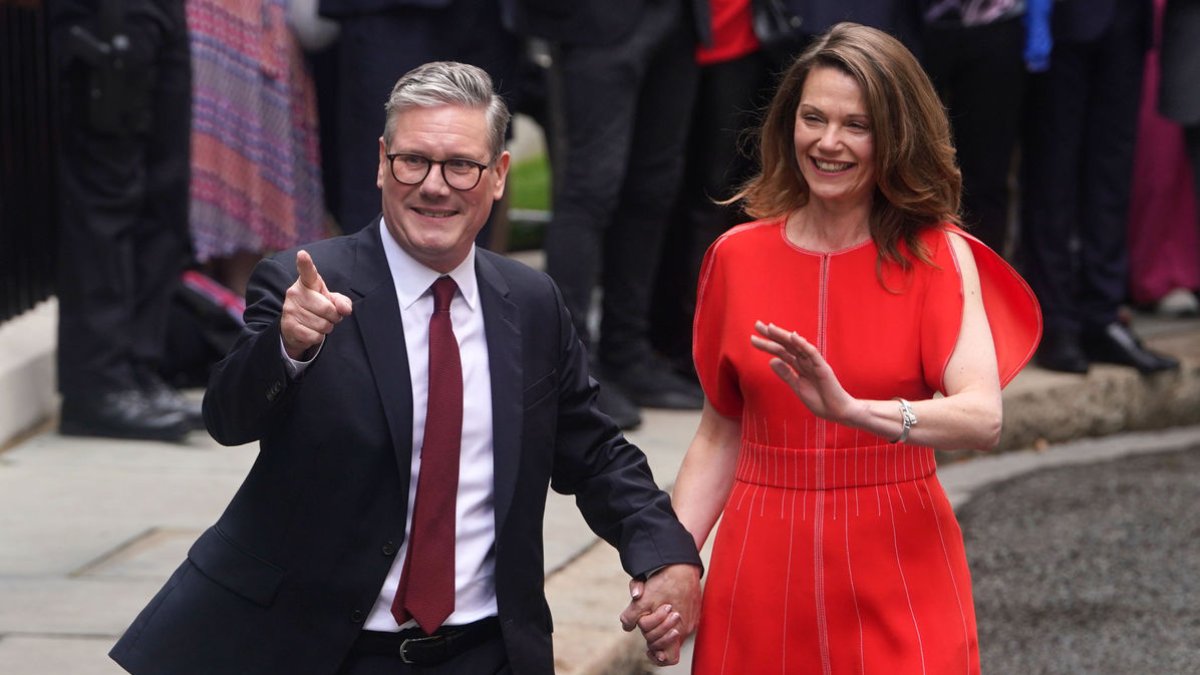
column 798, row 363
column 666, row 608
column 310, row 310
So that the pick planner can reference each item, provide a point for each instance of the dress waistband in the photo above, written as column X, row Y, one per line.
column 828, row 468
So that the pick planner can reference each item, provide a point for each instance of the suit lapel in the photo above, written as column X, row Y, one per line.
column 377, row 312
column 500, row 322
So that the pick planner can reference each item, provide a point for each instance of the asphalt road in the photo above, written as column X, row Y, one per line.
column 1089, row 569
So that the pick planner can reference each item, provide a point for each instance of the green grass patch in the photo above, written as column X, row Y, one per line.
column 529, row 183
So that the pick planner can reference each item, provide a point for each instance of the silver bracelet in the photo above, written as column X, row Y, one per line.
column 908, row 420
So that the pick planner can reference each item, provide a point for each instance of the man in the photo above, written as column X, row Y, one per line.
column 379, row 38
column 366, row 394
column 124, row 77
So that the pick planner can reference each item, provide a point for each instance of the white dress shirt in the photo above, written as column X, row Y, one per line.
column 474, row 558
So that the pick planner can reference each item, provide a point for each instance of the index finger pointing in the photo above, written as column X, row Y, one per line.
column 309, row 276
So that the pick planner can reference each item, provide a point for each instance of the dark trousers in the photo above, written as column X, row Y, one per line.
column 373, row 51
column 729, row 102
column 980, row 74
column 1077, row 167
column 620, row 114
column 123, row 227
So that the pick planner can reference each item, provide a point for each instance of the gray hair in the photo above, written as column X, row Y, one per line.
column 449, row 83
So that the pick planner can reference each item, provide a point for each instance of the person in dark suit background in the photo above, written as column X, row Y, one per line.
column 307, row 570
column 1077, row 162
column 620, row 93
column 124, row 75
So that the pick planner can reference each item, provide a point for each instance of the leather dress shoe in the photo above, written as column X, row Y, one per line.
column 121, row 414
column 651, row 383
column 1116, row 343
column 1061, row 352
column 614, row 404
column 167, row 398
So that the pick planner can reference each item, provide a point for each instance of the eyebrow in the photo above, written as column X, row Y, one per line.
column 447, row 159
column 815, row 108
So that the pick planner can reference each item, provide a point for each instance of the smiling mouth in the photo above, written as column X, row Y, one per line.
column 831, row 167
column 434, row 213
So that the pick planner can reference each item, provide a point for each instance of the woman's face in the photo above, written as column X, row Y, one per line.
column 834, row 144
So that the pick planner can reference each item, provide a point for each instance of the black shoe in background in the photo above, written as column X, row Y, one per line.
column 614, row 404
column 1062, row 352
column 1116, row 343
column 121, row 414
column 652, row 383
column 167, row 398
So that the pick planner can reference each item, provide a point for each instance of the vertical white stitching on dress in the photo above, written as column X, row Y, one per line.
column 856, row 480
column 768, row 465
column 875, row 452
column 805, row 453
column 787, row 580
column 819, row 471
column 899, row 494
column 862, row 655
column 819, row 559
column 737, row 573
column 904, row 582
column 832, row 452
column 744, row 456
column 760, row 467
column 954, row 582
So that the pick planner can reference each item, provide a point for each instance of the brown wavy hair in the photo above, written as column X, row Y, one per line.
column 917, row 185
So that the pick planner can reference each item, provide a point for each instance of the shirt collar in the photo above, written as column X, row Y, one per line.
column 412, row 279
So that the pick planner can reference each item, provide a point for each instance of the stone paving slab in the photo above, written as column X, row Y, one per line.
column 66, row 606
column 54, row 655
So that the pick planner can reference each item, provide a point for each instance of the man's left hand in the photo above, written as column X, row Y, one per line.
column 666, row 607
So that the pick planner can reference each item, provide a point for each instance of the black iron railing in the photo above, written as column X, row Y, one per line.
column 28, row 238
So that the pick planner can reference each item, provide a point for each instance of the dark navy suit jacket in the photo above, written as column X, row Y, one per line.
column 285, row 578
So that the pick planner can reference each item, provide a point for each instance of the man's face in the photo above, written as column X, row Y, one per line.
column 432, row 221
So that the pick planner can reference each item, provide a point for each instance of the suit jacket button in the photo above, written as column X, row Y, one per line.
column 389, row 549
column 357, row 616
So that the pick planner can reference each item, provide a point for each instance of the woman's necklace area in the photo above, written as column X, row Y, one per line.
column 802, row 230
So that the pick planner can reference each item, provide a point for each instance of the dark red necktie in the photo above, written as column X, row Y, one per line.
column 429, row 597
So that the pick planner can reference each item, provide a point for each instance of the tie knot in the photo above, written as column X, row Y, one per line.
column 443, row 293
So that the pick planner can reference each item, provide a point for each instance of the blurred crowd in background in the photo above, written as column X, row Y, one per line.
column 234, row 129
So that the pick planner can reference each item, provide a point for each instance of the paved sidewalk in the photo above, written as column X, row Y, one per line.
column 89, row 529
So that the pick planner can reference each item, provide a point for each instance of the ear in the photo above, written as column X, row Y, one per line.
column 384, row 170
column 501, row 170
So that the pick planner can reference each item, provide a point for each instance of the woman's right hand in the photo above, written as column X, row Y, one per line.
column 802, row 367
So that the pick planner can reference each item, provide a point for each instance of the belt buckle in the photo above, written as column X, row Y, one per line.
column 404, row 647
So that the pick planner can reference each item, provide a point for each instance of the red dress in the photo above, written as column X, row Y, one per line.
column 838, row 552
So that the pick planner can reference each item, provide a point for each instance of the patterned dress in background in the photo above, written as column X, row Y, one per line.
column 256, row 181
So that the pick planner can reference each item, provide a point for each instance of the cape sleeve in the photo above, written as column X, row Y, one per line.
column 1012, row 310
column 717, row 374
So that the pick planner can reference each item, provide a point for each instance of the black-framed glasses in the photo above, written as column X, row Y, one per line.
column 460, row 174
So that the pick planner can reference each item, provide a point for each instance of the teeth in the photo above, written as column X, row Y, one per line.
column 434, row 214
column 831, row 166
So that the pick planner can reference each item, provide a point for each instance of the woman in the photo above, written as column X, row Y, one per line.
column 823, row 331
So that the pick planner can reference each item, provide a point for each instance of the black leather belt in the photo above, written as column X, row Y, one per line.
column 414, row 647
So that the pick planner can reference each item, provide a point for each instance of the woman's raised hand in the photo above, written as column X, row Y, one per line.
column 799, row 364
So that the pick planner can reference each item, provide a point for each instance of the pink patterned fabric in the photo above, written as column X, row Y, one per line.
column 256, row 182
column 1164, row 230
